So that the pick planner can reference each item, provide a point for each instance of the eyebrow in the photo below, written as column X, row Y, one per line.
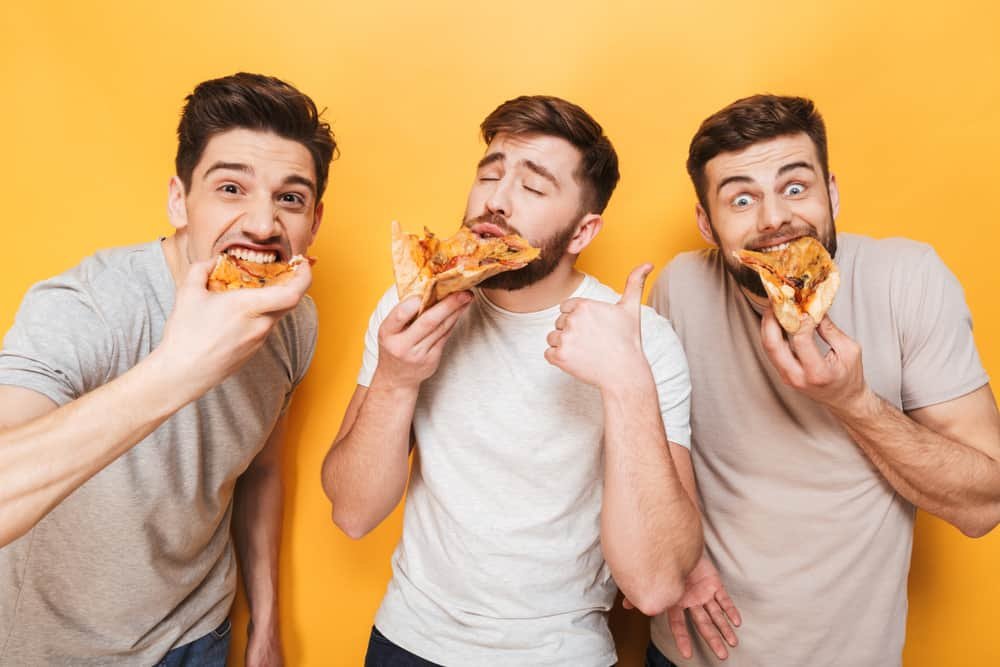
column 291, row 179
column 784, row 169
column 531, row 166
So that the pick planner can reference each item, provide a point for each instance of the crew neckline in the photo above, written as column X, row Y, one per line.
column 546, row 314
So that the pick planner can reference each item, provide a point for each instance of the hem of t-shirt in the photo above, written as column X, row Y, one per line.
column 951, row 393
column 25, row 380
column 384, row 624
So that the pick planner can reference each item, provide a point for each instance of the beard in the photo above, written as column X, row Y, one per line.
column 746, row 277
column 552, row 250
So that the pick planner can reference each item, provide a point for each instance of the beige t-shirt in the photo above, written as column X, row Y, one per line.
column 812, row 542
column 500, row 560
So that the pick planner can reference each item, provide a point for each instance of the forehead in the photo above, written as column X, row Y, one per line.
column 554, row 153
column 258, row 149
column 762, row 160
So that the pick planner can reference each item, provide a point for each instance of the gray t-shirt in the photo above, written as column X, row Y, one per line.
column 139, row 559
column 500, row 560
column 811, row 541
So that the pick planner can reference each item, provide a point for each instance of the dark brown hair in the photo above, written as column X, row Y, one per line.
column 253, row 102
column 747, row 121
column 552, row 116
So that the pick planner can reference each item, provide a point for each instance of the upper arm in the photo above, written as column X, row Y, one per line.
column 668, row 365
column 269, row 458
column 19, row 406
column 971, row 419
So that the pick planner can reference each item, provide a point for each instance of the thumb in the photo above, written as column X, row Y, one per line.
column 197, row 275
column 632, row 296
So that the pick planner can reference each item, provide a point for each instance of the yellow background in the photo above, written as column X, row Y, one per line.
column 91, row 95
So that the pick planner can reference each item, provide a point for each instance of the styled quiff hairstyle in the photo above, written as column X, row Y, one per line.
column 253, row 102
column 748, row 121
column 552, row 116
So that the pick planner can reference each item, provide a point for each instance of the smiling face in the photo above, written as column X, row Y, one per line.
column 526, row 184
column 763, row 196
column 252, row 194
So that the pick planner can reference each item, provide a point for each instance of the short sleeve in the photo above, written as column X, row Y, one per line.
column 659, row 297
column 670, row 372
column 369, row 358
column 940, row 360
column 60, row 345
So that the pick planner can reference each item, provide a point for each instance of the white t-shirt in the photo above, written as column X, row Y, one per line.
column 500, row 560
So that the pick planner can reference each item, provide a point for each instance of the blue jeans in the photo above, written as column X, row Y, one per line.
column 656, row 659
column 208, row 651
column 383, row 653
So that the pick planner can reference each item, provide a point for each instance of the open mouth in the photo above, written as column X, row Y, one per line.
column 486, row 230
column 251, row 255
column 776, row 247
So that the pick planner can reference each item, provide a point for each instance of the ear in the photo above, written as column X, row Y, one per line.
column 317, row 219
column 176, row 204
column 704, row 225
column 834, row 195
column 585, row 233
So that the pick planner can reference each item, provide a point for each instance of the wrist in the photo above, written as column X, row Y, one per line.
column 399, row 388
column 165, row 380
column 862, row 406
column 629, row 378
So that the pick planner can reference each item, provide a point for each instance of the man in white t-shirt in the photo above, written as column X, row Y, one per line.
column 550, row 439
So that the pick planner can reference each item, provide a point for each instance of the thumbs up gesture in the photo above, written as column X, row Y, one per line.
column 601, row 343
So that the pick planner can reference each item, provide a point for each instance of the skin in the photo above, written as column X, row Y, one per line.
column 650, row 528
column 943, row 458
column 207, row 337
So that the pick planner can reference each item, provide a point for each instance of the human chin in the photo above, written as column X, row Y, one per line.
column 552, row 253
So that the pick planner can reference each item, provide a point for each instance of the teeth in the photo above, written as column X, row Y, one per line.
column 261, row 257
column 775, row 248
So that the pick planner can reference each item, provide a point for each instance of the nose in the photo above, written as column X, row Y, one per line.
column 774, row 213
column 498, row 200
column 260, row 221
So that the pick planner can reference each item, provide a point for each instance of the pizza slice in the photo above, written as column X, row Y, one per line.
column 799, row 278
column 433, row 268
column 233, row 272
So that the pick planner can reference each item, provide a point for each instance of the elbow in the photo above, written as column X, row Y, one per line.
column 350, row 524
column 657, row 597
column 979, row 527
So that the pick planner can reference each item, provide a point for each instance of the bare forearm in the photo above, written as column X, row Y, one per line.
column 365, row 473
column 44, row 460
column 938, row 474
column 650, row 528
column 257, row 517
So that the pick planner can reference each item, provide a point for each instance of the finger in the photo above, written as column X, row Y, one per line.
column 442, row 332
column 551, row 355
column 562, row 321
column 276, row 299
column 803, row 345
column 401, row 315
column 777, row 349
column 721, row 622
column 706, row 628
column 727, row 604
column 632, row 296
column 569, row 305
column 833, row 335
column 678, row 628
column 554, row 339
column 433, row 317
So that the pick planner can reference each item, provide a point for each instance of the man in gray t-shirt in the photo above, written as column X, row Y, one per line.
column 141, row 415
column 549, row 438
column 809, row 462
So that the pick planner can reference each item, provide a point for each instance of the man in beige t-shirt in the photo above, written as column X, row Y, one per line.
column 810, row 463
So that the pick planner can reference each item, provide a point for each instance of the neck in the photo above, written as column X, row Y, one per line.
column 550, row 291
column 175, row 252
